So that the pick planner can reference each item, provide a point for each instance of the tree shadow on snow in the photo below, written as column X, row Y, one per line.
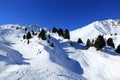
column 111, row 51
column 11, row 56
column 79, row 46
column 67, row 44
column 59, row 56
column 6, row 42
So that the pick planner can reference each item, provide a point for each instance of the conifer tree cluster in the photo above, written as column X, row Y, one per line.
column 65, row 34
column 99, row 43
column 28, row 35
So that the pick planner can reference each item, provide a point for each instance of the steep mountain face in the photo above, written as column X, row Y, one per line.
column 91, row 31
column 38, row 60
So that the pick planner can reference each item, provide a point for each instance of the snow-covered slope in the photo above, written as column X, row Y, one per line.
column 96, row 28
column 39, row 61
column 36, row 61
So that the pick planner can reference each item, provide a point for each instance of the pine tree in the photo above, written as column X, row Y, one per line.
column 118, row 49
column 110, row 42
column 42, row 34
column 79, row 41
column 60, row 32
column 99, row 43
column 66, row 34
column 29, row 35
column 54, row 30
column 88, row 44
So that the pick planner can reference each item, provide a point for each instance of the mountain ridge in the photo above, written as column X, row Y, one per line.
column 96, row 28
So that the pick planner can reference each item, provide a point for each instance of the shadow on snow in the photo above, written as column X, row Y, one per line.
column 59, row 55
column 111, row 51
column 11, row 56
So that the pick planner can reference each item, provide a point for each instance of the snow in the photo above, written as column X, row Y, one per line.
column 96, row 28
column 98, row 65
column 39, row 61
column 20, row 61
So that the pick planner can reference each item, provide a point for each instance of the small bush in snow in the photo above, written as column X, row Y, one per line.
column 25, row 29
column 115, row 33
column 79, row 41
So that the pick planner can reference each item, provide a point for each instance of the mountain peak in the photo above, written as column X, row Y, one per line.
column 91, row 31
column 109, row 22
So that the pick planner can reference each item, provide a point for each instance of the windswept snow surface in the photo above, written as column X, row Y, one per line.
column 39, row 61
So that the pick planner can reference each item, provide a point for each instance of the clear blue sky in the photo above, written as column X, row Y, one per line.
column 71, row 14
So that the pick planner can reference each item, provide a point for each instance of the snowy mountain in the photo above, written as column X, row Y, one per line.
column 38, row 60
column 96, row 28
